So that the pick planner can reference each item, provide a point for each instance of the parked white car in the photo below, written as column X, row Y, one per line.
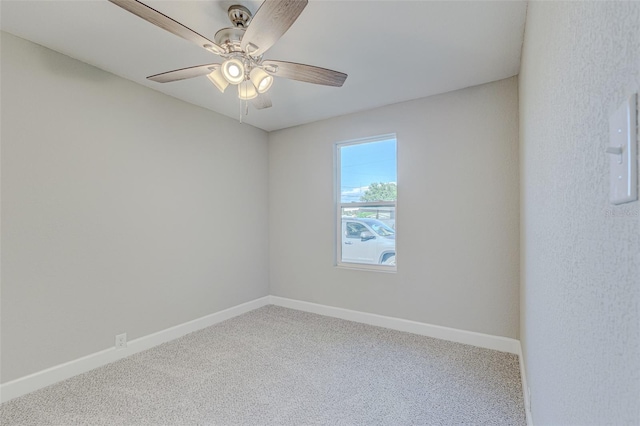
column 368, row 241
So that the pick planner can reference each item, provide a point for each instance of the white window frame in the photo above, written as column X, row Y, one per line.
column 338, row 204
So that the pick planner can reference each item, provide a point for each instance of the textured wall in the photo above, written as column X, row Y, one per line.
column 580, row 255
column 123, row 210
column 457, row 221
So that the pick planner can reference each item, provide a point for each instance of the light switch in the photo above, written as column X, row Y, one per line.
column 623, row 153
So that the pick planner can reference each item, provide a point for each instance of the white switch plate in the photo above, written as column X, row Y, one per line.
column 623, row 166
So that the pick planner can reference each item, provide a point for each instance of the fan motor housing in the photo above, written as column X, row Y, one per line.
column 240, row 16
column 229, row 38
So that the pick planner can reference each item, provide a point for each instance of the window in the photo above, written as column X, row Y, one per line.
column 366, row 191
column 355, row 229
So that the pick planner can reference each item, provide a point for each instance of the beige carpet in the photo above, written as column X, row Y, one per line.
column 277, row 366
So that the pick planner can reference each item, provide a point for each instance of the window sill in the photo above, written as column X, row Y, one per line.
column 367, row 268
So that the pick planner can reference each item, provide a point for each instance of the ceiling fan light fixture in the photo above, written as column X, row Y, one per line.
column 218, row 80
column 233, row 70
column 261, row 80
column 246, row 90
column 241, row 47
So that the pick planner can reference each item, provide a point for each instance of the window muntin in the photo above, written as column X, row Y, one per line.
column 366, row 187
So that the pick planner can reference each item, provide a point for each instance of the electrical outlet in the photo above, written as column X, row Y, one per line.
column 121, row 341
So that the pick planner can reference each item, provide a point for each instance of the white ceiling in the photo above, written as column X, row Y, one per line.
column 393, row 51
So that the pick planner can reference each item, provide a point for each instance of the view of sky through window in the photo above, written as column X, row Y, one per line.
column 364, row 164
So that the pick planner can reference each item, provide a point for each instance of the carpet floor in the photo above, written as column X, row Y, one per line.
column 278, row 366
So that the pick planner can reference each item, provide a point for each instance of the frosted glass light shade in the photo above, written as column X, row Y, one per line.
column 246, row 90
column 261, row 80
column 218, row 80
column 233, row 71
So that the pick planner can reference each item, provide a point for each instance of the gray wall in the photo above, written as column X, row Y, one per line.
column 580, row 292
column 123, row 210
column 457, row 218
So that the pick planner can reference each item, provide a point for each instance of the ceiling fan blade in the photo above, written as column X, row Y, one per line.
column 163, row 21
column 262, row 101
column 183, row 73
column 270, row 22
column 306, row 73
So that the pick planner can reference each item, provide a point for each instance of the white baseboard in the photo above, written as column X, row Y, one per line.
column 525, row 389
column 41, row 379
column 498, row 343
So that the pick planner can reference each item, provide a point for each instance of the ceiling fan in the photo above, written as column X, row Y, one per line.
column 242, row 47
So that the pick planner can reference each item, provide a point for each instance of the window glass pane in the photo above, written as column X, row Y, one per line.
column 368, row 172
column 367, row 204
column 368, row 235
column 355, row 229
column 385, row 214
